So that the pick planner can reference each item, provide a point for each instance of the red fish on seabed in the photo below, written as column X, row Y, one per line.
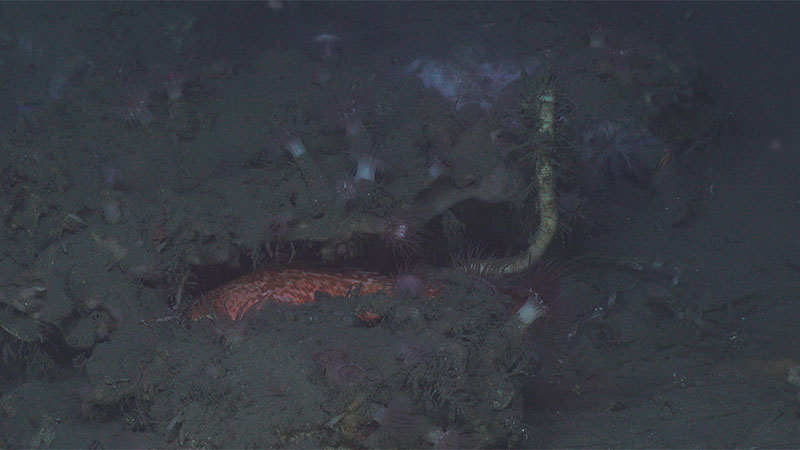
column 292, row 287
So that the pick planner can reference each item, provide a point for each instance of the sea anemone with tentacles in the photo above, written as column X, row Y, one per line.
column 341, row 369
column 402, row 232
column 611, row 152
column 369, row 158
column 469, row 263
column 543, row 282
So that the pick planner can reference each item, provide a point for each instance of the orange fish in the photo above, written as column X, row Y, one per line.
column 290, row 286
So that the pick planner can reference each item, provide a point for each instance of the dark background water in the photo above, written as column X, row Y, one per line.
column 114, row 195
